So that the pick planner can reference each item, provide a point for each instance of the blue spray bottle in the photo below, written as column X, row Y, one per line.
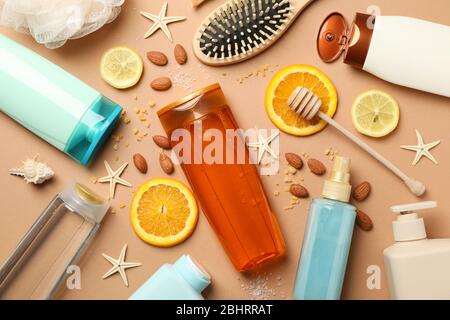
column 327, row 239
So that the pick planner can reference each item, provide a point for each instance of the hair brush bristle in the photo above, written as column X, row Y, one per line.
column 240, row 27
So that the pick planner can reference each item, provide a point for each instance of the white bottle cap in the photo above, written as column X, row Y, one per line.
column 193, row 273
column 409, row 226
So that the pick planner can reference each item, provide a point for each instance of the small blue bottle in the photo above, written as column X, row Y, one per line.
column 327, row 239
column 184, row 280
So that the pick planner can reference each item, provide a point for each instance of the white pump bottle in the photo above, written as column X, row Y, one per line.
column 417, row 267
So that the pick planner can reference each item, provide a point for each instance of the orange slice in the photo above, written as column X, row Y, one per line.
column 163, row 212
column 281, row 87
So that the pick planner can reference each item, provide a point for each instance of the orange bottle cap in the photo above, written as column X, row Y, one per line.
column 332, row 37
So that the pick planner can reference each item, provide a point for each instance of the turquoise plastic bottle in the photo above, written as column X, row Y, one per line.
column 327, row 239
column 52, row 103
column 184, row 280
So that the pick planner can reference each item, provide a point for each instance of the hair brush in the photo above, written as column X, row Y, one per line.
column 241, row 29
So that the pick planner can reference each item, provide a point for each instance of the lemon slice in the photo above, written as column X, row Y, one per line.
column 163, row 212
column 375, row 114
column 281, row 87
column 121, row 67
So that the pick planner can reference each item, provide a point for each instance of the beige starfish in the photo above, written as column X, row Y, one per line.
column 114, row 178
column 119, row 265
column 422, row 149
column 160, row 22
column 263, row 146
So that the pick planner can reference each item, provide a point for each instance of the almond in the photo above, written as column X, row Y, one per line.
column 362, row 191
column 294, row 160
column 299, row 191
column 157, row 57
column 363, row 220
column 140, row 163
column 162, row 142
column 166, row 163
column 161, row 84
column 180, row 54
column 317, row 167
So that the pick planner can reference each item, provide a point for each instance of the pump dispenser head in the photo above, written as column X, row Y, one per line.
column 408, row 226
column 337, row 187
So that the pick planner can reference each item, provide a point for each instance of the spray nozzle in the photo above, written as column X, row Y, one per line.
column 341, row 170
column 337, row 186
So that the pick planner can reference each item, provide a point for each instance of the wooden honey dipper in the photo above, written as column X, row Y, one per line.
column 307, row 105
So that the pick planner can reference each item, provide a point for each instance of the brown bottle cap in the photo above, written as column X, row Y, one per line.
column 332, row 37
column 335, row 37
column 359, row 40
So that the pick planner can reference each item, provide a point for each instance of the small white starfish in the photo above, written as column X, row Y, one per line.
column 119, row 265
column 113, row 178
column 263, row 145
column 422, row 149
column 160, row 22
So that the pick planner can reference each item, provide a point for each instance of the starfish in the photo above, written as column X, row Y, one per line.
column 160, row 22
column 119, row 265
column 263, row 145
column 113, row 178
column 422, row 149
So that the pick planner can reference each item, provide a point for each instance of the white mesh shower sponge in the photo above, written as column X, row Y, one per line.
column 53, row 22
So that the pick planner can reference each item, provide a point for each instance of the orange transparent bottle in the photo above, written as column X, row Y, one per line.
column 228, row 189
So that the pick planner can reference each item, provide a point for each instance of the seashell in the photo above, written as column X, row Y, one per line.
column 33, row 171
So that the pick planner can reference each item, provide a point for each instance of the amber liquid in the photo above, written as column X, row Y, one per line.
column 230, row 195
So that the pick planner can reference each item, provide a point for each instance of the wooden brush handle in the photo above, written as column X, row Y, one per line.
column 297, row 8
column 196, row 3
column 416, row 187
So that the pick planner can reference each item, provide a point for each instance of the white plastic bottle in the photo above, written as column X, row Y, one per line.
column 417, row 268
column 406, row 51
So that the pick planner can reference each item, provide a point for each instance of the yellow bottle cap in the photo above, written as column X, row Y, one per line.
column 337, row 187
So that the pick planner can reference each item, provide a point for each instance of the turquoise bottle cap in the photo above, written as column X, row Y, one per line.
column 193, row 273
column 93, row 129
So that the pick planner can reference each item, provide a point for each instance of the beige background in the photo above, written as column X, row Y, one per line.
column 21, row 203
